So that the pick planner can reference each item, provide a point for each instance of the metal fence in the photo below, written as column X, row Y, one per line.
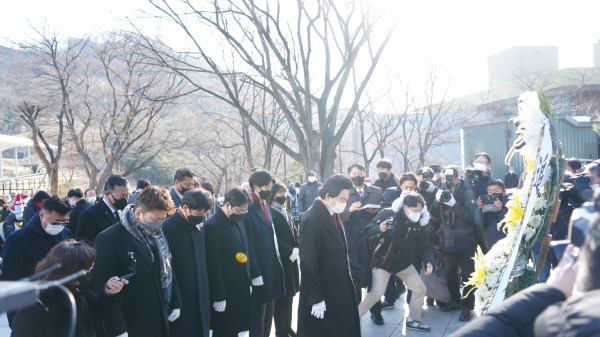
column 24, row 184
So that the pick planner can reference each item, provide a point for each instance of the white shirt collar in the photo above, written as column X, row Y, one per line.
column 109, row 206
column 362, row 190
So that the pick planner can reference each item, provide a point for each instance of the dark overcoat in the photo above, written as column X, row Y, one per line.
column 263, row 254
column 30, row 210
column 94, row 220
column 189, row 262
column 144, row 311
column 287, row 240
column 356, row 221
column 325, row 273
column 81, row 206
column 228, row 277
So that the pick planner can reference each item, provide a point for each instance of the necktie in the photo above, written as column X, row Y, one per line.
column 360, row 194
column 116, row 213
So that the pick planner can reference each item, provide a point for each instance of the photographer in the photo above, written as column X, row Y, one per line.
column 408, row 183
column 396, row 229
column 494, row 211
column 437, row 174
column 426, row 186
column 455, row 207
column 479, row 175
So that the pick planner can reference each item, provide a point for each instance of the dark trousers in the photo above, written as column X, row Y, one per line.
column 283, row 315
column 262, row 319
column 376, row 308
column 467, row 266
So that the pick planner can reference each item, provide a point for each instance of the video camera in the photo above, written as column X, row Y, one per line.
column 488, row 202
column 449, row 185
column 427, row 176
column 576, row 188
column 472, row 176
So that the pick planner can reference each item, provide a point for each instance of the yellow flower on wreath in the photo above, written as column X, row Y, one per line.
column 529, row 162
column 514, row 214
column 478, row 276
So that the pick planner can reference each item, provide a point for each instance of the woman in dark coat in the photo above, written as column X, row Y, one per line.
column 50, row 316
column 228, row 266
column 34, row 205
column 327, row 304
column 287, row 241
column 185, row 233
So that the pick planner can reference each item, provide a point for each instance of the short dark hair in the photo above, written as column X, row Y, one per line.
column 485, row 155
column 182, row 173
column 408, row 176
column 278, row 186
column 574, row 163
column 209, row 187
column 89, row 189
column 384, row 163
column 436, row 168
column 334, row 185
column 113, row 181
column 425, row 170
column 237, row 196
column 73, row 257
column 358, row 166
column 260, row 178
column 142, row 183
column 154, row 198
column 412, row 199
column 57, row 204
column 198, row 199
column 75, row 192
column 40, row 196
column 498, row 182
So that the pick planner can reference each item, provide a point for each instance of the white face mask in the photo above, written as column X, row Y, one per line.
column 312, row 179
column 72, row 202
column 91, row 200
column 19, row 216
column 511, row 171
column 338, row 208
column 413, row 216
column 594, row 186
column 480, row 166
column 54, row 229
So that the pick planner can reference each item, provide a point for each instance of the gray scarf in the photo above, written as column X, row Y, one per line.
column 144, row 234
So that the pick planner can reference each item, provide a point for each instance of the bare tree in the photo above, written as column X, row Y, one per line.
column 274, row 54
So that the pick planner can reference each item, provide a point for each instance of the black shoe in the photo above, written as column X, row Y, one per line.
column 452, row 306
column 430, row 301
column 440, row 304
column 385, row 305
column 465, row 315
column 400, row 289
column 377, row 319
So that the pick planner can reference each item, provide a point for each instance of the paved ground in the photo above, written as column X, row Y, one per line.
column 441, row 323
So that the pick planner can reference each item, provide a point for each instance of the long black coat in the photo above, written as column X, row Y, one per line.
column 228, row 278
column 30, row 210
column 143, row 312
column 81, row 206
column 94, row 220
column 189, row 261
column 50, row 317
column 326, row 277
column 287, row 240
column 263, row 253
column 356, row 221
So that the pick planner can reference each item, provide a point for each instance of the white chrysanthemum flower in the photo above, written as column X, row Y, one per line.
column 535, row 221
column 540, row 204
column 528, row 233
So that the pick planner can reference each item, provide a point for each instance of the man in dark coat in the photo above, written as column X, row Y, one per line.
column 185, row 233
column 104, row 213
column 481, row 163
column 34, row 205
column 151, row 299
column 182, row 182
column 79, row 205
column 494, row 234
column 511, row 179
column 266, row 268
column 141, row 184
column 327, row 304
column 228, row 266
column 26, row 247
column 386, row 178
column 308, row 192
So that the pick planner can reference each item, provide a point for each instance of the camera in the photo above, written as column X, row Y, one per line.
column 449, row 185
column 572, row 188
column 391, row 226
column 488, row 202
column 425, row 184
column 578, row 228
column 472, row 176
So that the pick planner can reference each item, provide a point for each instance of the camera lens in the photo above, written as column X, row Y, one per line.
column 424, row 185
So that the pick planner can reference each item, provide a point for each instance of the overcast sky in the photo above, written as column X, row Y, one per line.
column 461, row 33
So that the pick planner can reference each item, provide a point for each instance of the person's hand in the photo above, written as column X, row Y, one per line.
column 464, row 172
column 429, row 269
column 438, row 195
column 355, row 206
column 114, row 285
column 258, row 281
column 220, row 306
column 480, row 202
column 318, row 310
column 174, row 315
column 563, row 276
column 372, row 210
column 431, row 188
column 295, row 254
column 450, row 202
column 383, row 226
column 498, row 204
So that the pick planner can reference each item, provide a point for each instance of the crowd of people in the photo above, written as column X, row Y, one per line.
column 178, row 262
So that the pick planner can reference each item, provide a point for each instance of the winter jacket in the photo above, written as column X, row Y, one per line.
column 494, row 234
column 394, row 193
column 309, row 192
column 356, row 221
column 511, row 180
column 397, row 257
column 134, row 195
column 175, row 197
column 294, row 206
column 9, row 224
column 30, row 210
column 391, row 181
column 481, row 187
column 457, row 223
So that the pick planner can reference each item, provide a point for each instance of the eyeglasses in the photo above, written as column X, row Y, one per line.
column 481, row 162
column 240, row 213
column 59, row 223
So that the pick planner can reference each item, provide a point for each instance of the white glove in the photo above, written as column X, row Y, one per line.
column 438, row 195
column 424, row 217
column 220, row 306
column 295, row 254
column 318, row 310
column 124, row 334
column 258, row 281
column 450, row 202
column 431, row 188
column 174, row 315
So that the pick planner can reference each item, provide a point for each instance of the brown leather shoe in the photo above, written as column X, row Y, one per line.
column 452, row 306
column 466, row 315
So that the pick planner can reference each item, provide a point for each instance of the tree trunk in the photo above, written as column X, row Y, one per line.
column 107, row 172
column 54, row 173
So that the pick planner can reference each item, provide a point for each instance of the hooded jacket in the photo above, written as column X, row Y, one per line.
column 30, row 210
column 308, row 193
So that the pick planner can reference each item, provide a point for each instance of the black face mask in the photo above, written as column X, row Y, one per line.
column 119, row 204
column 382, row 175
column 280, row 200
column 358, row 180
column 236, row 217
column 293, row 191
column 183, row 189
column 86, row 281
column 195, row 219
column 264, row 194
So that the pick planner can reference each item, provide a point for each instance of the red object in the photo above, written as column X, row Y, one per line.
column 17, row 204
column 39, row 204
column 263, row 206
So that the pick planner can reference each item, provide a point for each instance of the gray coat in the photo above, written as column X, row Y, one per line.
column 309, row 192
column 356, row 221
